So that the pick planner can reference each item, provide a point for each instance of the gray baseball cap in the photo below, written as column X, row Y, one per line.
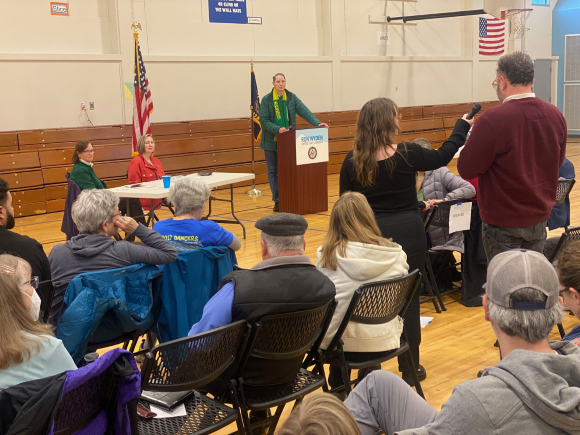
column 518, row 269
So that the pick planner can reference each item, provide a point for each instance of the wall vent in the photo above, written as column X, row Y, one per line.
column 572, row 59
column 572, row 106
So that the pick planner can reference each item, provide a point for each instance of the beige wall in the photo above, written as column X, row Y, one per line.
column 200, row 70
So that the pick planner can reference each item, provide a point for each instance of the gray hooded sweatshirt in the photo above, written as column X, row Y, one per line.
column 527, row 393
column 94, row 252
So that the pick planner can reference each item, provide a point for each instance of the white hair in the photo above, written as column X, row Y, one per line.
column 188, row 195
column 532, row 326
column 278, row 244
column 92, row 208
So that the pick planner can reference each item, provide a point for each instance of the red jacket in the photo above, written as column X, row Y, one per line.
column 515, row 150
column 140, row 171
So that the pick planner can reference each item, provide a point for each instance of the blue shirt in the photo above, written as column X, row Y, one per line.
column 187, row 234
column 217, row 312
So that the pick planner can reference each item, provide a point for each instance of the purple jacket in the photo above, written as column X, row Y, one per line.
column 129, row 389
column 68, row 226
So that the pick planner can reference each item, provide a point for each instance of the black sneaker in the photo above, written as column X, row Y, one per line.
column 421, row 375
column 276, row 208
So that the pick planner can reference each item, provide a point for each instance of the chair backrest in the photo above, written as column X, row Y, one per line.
column 81, row 405
column 564, row 188
column 439, row 216
column 289, row 335
column 570, row 235
column 379, row 302
column 45, row 291
column 192, row 362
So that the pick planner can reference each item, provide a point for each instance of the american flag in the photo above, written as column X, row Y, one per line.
column 491, row 36
column 143, row 104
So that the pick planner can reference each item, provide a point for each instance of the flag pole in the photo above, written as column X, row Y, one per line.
column 253, row 192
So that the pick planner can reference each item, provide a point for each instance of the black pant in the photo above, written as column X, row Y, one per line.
column 474, row 273
column 135, row 211
column 407, row 230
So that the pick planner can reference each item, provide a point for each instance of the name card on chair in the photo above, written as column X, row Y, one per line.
column 459, row 217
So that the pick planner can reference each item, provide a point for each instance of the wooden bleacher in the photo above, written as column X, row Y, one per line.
column 34, row 162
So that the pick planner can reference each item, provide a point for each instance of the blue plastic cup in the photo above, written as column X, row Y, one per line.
column 166, row 181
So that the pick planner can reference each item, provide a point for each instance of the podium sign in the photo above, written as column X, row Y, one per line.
column 311, row 146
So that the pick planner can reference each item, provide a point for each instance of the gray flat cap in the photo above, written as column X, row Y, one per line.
column 282, row 224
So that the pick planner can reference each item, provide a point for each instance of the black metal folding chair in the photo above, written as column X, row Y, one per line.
column 438, row 217
column 80, row 406
column 570, row 234
column 563, row 191
column 188, row 364
column 283, row 337
column 45, row 292
column 373, row 303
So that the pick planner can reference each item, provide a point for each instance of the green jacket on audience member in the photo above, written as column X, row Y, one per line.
column 267, row 116
column 85, row 177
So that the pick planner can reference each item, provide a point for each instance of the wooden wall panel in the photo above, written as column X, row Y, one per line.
column 23, row 179
column 19, row 160
column 8, row 138
column 27, row 196
column 30, row 209
column 119, row 132
column 187, row 146
column 55, row 205
column 216, row 125
column 104, row 153
column 56, row 192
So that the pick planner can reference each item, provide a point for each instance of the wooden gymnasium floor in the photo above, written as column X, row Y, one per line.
column 455, row 346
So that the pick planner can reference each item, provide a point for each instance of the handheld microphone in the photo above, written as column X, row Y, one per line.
column 476, row 108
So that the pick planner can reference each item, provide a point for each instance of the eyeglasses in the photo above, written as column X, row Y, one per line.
column 33, row 282
column 563, row 290
column 89, row 151
column 495, row 83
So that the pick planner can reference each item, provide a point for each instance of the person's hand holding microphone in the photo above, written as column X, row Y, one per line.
column 469, row 116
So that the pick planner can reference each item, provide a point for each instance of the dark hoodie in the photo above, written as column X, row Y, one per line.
column 94, row 252
column 527, row 392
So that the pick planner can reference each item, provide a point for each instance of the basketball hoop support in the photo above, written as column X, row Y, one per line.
column 434, row 16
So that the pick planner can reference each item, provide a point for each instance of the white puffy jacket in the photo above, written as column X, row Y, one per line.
column 363, row 264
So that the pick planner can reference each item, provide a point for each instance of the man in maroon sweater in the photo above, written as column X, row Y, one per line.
column 515, row 151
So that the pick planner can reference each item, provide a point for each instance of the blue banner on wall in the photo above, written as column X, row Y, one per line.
column 226, row 11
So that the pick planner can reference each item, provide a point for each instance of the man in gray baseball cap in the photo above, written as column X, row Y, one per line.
column 533, row 390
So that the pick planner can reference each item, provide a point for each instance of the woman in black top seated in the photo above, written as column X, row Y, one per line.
column 385, row 173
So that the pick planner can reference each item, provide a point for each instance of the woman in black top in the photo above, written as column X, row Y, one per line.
column 385, row 174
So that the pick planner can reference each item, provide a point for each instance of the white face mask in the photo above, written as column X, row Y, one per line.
column 35, row 307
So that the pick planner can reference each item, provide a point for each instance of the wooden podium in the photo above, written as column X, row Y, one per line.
column 302, row 189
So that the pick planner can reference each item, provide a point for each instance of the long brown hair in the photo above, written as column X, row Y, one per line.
column 376, row 128
column 351, row 220
column 568, row 267
column 14, row 317
column 80, row 147
column 320, row 414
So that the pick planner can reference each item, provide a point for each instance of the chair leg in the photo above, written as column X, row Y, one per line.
column 275, row 419
column 430, row 291
column 561, row 329
column 434, row 281
column 414, row 376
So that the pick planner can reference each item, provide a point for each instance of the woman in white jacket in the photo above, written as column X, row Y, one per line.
column 354, row 253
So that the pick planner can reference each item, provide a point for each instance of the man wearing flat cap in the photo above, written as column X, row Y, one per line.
column 533, row 390
column 285, row 281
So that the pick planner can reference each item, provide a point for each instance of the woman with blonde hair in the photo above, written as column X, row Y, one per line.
column 385, row 173
column 353, row 253
column 28, row 349
column 144, row 167
column 320, row 414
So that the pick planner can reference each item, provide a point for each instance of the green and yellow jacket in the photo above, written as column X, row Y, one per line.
column 268, row 117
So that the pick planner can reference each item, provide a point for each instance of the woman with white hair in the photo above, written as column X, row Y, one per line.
column 28, row 349
column 96, row 215
column 186, row 230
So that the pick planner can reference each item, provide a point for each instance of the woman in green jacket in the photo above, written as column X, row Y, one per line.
column 277, row 114
column 82, row 172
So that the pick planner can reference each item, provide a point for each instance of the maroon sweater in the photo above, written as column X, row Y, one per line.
column 515, row 150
